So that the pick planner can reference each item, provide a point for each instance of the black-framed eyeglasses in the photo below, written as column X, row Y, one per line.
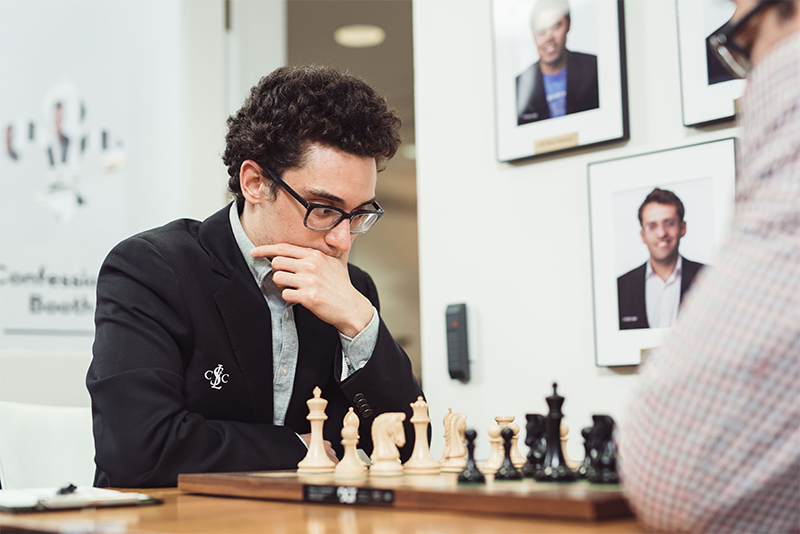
column 734, row 56
column 321, row 217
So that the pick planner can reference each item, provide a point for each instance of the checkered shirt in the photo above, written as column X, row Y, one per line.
column 711, row 441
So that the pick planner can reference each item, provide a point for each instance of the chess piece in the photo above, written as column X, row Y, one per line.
column 554, row 468
column 507, row 471
column 421, row 461
column 495, row 460
column 587, row 449
column 516, row 458
column 316, row 460
column 447, row 431
column 503, row 420
column 602, row 468
column 351, row 466
column 387, row 436
column 563, row 431
column 471, row 473
column 455, row 459
column 535, row 432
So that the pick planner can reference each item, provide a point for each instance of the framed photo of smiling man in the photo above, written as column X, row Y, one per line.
column 560, row 78
column 656, row 220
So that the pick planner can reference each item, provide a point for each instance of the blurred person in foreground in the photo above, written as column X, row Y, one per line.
column 711, row 441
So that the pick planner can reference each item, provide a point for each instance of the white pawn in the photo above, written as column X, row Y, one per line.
column 563, row 431
column 387, row 435
column 516, row 457
column 421, row 461
column 497, row 453
column 351, row 465
column 316, row 460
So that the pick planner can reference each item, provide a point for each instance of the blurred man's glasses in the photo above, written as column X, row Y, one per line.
column 667, row 224
column 322, row 218
column 734, row 56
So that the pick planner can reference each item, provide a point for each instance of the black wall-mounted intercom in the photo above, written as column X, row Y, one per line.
column 457, row 346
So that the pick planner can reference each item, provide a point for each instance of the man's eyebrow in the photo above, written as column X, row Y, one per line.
column 319, row 193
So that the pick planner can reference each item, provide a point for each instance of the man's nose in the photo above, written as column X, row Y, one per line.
column 338, row 237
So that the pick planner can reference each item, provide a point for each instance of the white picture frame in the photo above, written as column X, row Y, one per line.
column 703, row 177
column 708, row 91
column 596, row 30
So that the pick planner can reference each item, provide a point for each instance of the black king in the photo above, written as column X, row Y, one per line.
column 554, row 468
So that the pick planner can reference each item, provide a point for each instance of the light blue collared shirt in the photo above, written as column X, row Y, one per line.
column 355, row 351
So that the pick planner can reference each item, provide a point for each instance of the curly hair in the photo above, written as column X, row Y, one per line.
column 663, row 196
column 295, row 107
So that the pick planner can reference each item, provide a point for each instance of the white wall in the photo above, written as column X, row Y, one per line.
column 513, row 240
column 192, row 90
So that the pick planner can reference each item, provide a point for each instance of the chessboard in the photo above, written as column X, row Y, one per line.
column 576, row 500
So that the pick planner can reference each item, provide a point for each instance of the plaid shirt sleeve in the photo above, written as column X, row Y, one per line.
column 711, row 441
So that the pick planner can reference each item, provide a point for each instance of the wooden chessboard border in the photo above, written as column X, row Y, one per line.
column 579, row 500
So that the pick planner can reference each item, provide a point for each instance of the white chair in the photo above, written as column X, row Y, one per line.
column 45, row 446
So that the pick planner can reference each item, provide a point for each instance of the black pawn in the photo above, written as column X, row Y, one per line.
column 471, row 473
column 507, row 471
column 554, row 467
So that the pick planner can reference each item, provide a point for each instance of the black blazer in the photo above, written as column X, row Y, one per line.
column 582, row 89
column 630, row 292
column 176, row 302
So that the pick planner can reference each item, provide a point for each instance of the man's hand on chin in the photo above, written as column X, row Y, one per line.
column 319, row 283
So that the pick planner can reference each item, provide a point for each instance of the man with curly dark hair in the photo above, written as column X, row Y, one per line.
column 211, row 336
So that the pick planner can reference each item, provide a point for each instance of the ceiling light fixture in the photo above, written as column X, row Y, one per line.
column 359, row 35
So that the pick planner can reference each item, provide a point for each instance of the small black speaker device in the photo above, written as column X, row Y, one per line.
column 457, row 346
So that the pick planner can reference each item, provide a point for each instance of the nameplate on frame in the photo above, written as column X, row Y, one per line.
column 559, row 142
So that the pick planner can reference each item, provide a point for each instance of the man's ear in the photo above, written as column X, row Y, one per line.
column 683, row 228
column 250, row 180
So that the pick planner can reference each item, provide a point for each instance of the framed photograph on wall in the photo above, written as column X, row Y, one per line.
column 560, row 79
column 656, row 221
column 708, row 90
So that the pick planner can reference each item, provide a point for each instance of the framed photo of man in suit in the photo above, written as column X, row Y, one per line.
column 708, row 90
column 656, row 220
column 560, row 78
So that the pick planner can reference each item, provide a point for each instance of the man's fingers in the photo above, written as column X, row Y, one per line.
column 279, row 249
column 331, row 453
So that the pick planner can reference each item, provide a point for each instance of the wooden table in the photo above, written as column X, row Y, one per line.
column 186, row 513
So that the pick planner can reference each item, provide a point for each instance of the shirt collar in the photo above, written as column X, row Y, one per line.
column 260, row 267
column 649, row 273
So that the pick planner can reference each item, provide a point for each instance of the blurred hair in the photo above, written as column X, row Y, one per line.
column 662, row 196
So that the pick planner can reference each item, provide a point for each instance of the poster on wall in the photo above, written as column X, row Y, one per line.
column 89, row 118
column 708, row 90
column 560, row 79
column 656, row 220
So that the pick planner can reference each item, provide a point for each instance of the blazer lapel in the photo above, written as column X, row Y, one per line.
column 244, row 312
